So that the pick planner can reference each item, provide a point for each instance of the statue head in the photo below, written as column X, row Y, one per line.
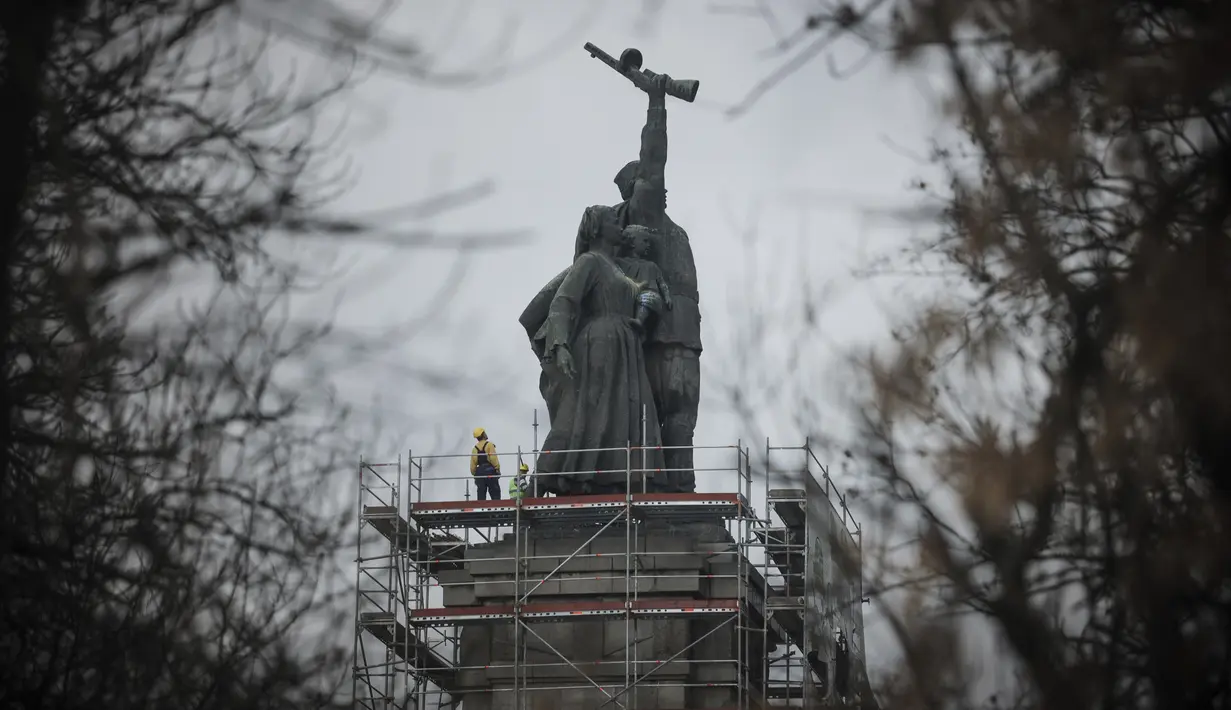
column 625, row 178
column 598, row 226
column 639, row 241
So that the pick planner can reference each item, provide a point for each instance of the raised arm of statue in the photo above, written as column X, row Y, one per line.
column 648, row 204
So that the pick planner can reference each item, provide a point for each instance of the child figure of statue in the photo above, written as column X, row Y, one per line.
column 638, row 264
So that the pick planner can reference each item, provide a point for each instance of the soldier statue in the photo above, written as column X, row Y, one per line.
column 673, row 346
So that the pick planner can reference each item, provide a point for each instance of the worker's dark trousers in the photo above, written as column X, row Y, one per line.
column 487, row 482
column 675, row 379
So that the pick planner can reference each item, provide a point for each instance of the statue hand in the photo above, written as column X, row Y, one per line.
column 658, row 85
column 564, row 361
column 638, row 328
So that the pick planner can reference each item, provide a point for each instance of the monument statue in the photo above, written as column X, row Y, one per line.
column 593, row 351
column 661, row 314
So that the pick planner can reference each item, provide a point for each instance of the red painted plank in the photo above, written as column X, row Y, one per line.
column 685, row 497
column 466, row 504
column 570, row 501
column 581, row 607
column 685, row 603
column 462, row 610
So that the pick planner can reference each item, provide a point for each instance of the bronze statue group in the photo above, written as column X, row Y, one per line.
column 618, row 335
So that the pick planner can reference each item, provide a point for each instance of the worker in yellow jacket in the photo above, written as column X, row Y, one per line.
column 485, row 466
column 520, row 482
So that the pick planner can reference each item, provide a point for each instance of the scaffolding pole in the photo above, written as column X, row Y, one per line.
column 517, row 574
column 380, row 594
column 630, row 633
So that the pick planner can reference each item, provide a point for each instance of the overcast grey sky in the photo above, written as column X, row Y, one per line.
column 798, row 170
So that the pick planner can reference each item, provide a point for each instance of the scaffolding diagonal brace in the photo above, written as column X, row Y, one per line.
column 682, row 651
column 566, row 560
column 610, row 697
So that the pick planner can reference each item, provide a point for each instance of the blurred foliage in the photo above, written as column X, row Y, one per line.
column 1055, row 426
column 170, row 520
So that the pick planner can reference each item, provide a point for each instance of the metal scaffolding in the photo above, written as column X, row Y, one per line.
column 420, row 587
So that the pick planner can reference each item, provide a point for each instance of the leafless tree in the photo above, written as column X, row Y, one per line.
column 166, row 510
column 1056, row 426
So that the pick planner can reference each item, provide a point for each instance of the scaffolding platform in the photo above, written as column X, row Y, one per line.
column 787, row 556
column 781, row 618
column 471, row 602
column 574, row 611
column 580, row 510
column 439, row 551
column 783, row 691
column 411, row 649
column 790, row 504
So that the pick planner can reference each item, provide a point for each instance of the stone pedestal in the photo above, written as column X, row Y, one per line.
column 679, row 562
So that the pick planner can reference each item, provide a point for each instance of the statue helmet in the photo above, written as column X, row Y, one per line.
column 624, row 179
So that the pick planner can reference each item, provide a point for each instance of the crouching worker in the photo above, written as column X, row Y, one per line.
column 485, row 466
column 520, row 484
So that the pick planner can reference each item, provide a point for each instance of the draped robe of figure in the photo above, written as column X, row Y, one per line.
column 534, row 320
column 601, row 406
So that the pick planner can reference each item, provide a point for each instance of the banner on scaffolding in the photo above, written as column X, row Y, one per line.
column 834, row 580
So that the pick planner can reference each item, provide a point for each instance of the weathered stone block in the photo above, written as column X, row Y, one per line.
column 560, row 547
column 538, row 592
column 707, row 698
column 459, row 596
column 598, row 648
column 664, row 561
column 662, row 696
column 721, row 588
column 589, row 586
column 543, row 566
column 714, row 673
column 482, row 552
column 494, row 587
column 682, row 584
column 486, row 568
column 614, row 544
column 666, row 543
column 722, row 559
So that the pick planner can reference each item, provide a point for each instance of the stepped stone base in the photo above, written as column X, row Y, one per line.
column 696, row 561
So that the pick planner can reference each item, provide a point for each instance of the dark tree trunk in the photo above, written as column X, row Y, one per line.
column 25, row 40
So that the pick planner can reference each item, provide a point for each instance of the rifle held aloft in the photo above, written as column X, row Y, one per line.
column 629, row 64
